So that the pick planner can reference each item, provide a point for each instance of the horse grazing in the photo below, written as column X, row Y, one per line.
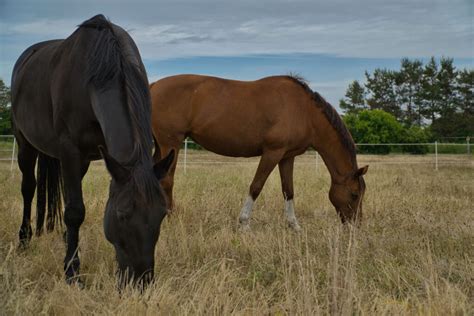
column 276, row 118
column 77, row 100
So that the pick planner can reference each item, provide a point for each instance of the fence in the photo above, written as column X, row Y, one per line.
column 193, row 155
column 8, row 145
column 436, row 158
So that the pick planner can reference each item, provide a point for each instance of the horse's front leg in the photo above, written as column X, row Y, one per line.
column 286, row 175
column 72, row 167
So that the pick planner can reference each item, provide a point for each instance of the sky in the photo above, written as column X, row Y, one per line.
column 330, row 43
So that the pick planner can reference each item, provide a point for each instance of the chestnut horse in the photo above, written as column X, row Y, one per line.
column 276, row 118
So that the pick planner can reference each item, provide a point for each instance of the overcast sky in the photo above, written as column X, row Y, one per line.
column 330, row 43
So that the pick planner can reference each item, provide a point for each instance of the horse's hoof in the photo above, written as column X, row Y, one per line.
column 244, row 227
column 77, row 281
column 295, row 226
column 23, row 245
column 25, row 235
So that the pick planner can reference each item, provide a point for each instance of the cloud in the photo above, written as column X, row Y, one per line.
column 40, row 27
column 373, row 37
column 172, row 29
column 171, row 34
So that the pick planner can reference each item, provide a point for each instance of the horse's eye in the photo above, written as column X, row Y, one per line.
column 354, row 196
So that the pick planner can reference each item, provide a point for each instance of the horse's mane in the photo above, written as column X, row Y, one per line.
column 111, row 57
column 331, row 115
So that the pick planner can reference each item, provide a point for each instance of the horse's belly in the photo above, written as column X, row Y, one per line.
column 39, row 132
column 232, row 147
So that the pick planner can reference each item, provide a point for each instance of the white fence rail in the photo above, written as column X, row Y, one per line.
column 5, row 149
column 463, row 157
column 8, row 148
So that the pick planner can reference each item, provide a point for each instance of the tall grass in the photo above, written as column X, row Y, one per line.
column 413, row 253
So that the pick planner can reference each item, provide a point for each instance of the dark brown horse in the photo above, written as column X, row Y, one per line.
column 76, row 100
column 276, row 118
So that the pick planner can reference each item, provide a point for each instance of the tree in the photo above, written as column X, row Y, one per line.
column 354, row 101
column 409, row 90
column 5, row 109
column 418, row 95
column 381, row 88
column 415, row 134
column 447, row 82
column 430, row 93
column 374, row 127
column 465, row 91
column 453, row 124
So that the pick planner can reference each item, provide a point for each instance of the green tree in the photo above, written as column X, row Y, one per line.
column 5, row 109
column 430, row 92
column 465, row 91
column 447, row 83
column 415, row 134
column 354, row 100
column 417, row 95
column 409, row 90
column 382, row 95
column 374, row 127
column 453, row 124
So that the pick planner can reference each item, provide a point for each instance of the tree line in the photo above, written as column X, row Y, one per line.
column 415, row 104
column 5, row 112
column 433, row 99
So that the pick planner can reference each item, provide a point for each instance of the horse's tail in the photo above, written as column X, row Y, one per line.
column 49, row 184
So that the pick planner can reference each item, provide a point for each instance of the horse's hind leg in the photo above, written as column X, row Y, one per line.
column 286, row 174
column 27, row 155
column 266, row 165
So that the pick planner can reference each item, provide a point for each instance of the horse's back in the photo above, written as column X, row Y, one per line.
column 32, row 70
column 30, row 57
column 230, row 117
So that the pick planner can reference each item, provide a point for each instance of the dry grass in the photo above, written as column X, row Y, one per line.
column 412, row 255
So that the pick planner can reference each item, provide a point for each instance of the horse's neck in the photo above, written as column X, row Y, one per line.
column 114, row 119
column 328, row 144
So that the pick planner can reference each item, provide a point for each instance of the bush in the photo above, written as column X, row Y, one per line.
column 192, row 145
column 374, row 127
column 415, row 134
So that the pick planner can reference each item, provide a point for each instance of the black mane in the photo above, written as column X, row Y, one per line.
column 331, row 115
column 110, row 58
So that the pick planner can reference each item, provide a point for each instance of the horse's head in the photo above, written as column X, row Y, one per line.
column 347, row 195
column 133, row 215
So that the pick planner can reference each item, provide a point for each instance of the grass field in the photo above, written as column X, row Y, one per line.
column 413, row 253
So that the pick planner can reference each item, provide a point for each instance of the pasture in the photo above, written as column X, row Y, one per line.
column 413, row 253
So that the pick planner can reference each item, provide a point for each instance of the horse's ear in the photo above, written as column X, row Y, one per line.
column 116, row 170
column 161, row 167
column 361, row 171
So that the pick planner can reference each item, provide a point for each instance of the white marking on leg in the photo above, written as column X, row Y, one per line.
column 290, row 215
column 246, row 211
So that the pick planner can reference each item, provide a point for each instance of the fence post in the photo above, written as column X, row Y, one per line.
column 468, row 145
column 436, row 155
column 13, row 154
column 185, row 154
